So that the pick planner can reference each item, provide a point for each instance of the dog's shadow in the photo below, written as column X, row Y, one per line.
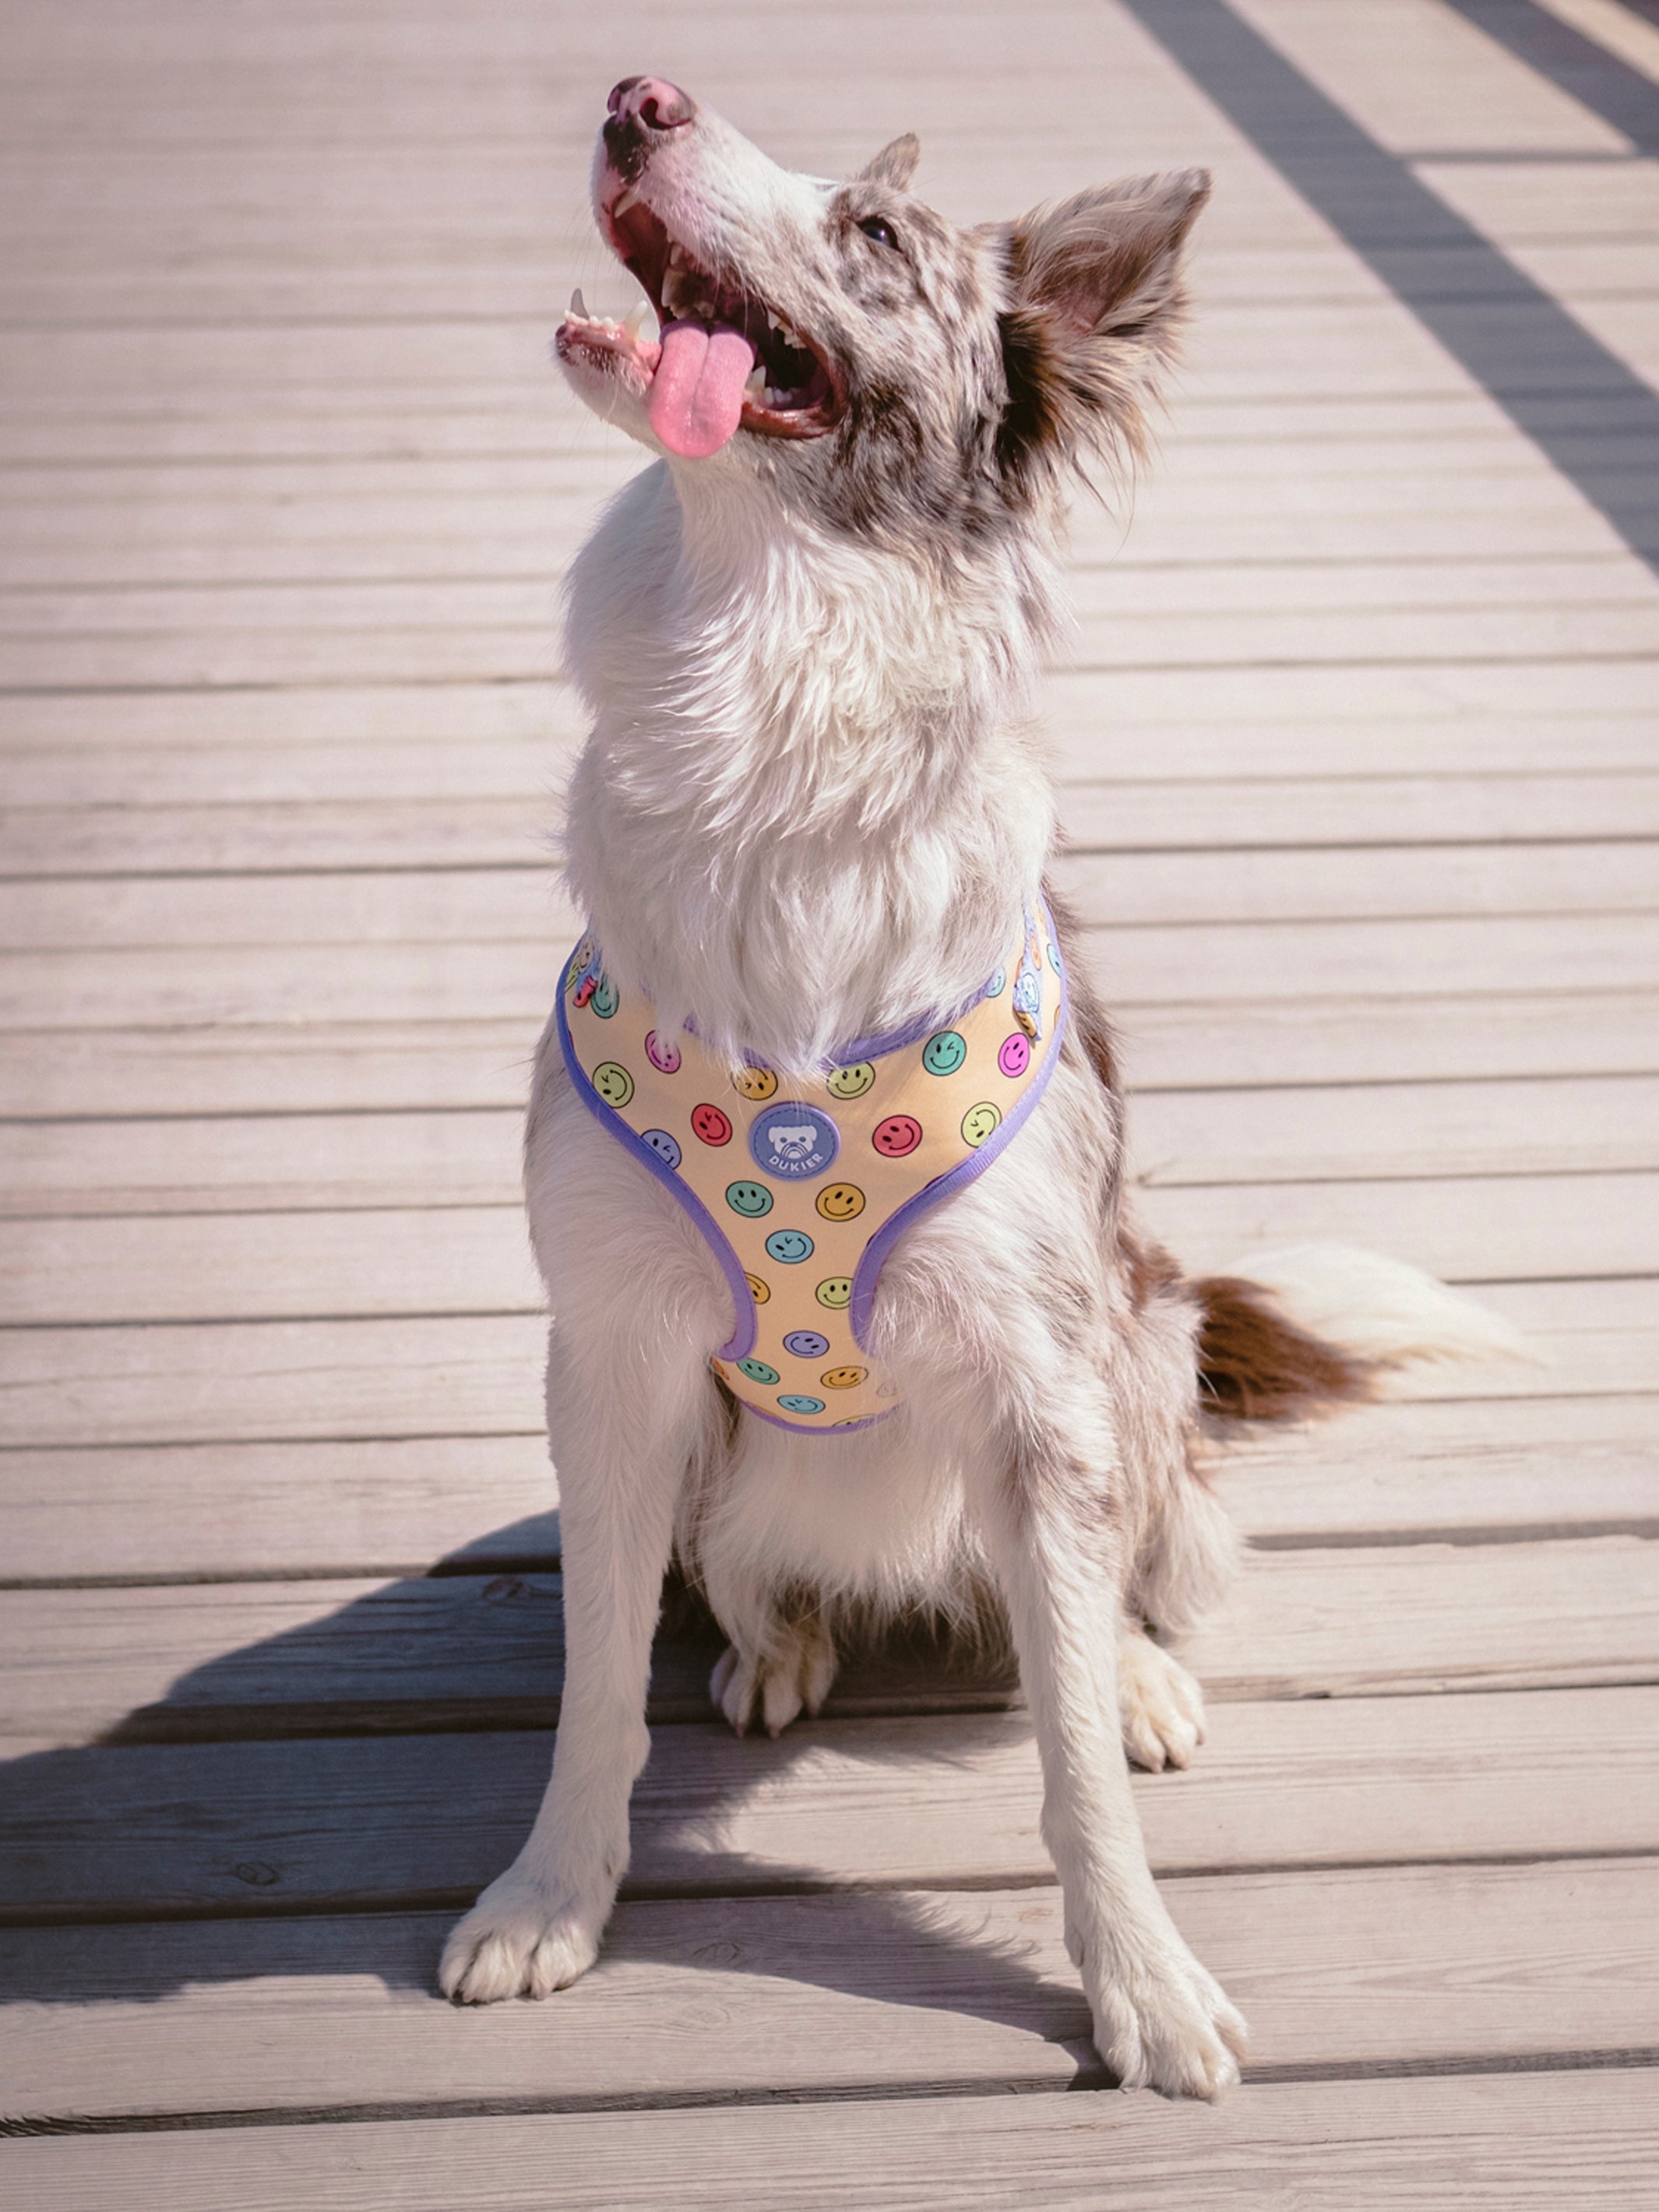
column 227, row 1822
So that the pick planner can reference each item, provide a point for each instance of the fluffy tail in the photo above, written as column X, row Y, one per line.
column 1309, row 1327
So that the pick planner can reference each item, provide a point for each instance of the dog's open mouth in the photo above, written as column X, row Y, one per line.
column 724, row 361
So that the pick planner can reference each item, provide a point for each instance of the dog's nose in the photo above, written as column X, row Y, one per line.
column 651, row 103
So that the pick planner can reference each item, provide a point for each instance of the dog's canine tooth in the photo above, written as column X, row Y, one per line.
column 755, row 388
column 578, row 305
column 624, row 200
column 634, row 321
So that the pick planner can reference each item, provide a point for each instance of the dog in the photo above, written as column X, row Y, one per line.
column 811, row 829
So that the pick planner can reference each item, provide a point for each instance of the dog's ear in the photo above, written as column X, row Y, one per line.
column 895, row 165
column 1097, row 303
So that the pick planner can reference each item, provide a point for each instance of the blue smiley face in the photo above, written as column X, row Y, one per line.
column 806, row 1344
column 793, row 1402
column 788, row 1245
column 944, row 1053
column 664, row 1146
column 757, row 1371
column 604, row 1001
column 750, row 1200
column 998, row 984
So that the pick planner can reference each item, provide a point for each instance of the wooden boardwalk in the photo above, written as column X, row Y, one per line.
column 1357, row 741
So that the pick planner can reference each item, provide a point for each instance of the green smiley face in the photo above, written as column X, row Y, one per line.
column 613, row 1082
column 944, row 1053
column 750, row 1198
column 851, row 1082
column 835, row 1293
column 604, row 1001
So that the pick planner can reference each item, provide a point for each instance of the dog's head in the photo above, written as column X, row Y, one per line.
column 897, row 374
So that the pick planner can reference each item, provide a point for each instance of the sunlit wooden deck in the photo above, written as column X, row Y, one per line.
column 1358, row 742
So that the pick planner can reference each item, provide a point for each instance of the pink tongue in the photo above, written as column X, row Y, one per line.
column 696, row 394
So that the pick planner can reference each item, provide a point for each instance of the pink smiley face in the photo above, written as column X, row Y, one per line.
column 1015, row 1056
column 664, row 1058
column 899, row 1135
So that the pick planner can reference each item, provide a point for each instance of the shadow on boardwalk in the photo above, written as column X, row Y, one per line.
column 282, row 1785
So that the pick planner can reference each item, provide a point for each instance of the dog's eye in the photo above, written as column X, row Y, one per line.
column 877, row 227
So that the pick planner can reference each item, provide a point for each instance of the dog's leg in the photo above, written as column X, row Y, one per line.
column 627, row 1418
column 1160, row 2020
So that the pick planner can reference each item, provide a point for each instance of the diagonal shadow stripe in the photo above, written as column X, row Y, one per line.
column 1596, row 421
column 1598, row 80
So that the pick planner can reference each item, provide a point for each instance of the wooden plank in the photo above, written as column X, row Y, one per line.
column 452, row 1375
column 1532, row 2141
column 475, row 1259
column 272, row 1163
column 1477, row 1468
column 448, row 1260
column 1473, row 1228
column 200, row 1662
column 377, row 1504
column 1485, row 597
column 360, row 651
column 327, row 2016
column 1102, row 811
column 321, row 1066
column 1385, row 1129
column 399, row 1497
column 375, row 714
column 125, row 987
column 480, row 1375
column 474, row 869
column 167, row 1831
column 314, row 1066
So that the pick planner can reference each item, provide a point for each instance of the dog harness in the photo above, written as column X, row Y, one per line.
column 802, row 1192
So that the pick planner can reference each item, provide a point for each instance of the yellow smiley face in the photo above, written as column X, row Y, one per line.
column 836, row 1293
column 978, row 1122
column 851, row 1082
column 841, row 1202
column 756, row 1082
column 613, row 1082
column 842, row 1378
column 759, row 1291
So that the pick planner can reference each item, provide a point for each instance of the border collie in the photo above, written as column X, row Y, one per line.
column 828, row 1105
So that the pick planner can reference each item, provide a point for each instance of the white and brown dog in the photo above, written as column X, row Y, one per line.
column 808, row 826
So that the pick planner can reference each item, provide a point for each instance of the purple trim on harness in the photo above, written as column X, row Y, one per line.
column 874, row 1048
column 953, row 1180
column 742, row 1298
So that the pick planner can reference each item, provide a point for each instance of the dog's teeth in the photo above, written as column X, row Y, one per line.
column 755, row 386
column 622, row 204
column 634, row 321
column 578, row 305
column 677, row 256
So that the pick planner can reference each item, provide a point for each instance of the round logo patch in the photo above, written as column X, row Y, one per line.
column 794, row 1141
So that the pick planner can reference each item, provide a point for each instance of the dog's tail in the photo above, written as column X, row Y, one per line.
column 1308, row 1328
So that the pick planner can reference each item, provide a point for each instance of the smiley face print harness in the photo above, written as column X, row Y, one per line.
column 803, row 1188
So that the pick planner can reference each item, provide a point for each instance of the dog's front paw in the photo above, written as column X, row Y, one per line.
column 519, row 1940
column 1162, row 2022
column 1160, row 1704
column 775, row 1685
